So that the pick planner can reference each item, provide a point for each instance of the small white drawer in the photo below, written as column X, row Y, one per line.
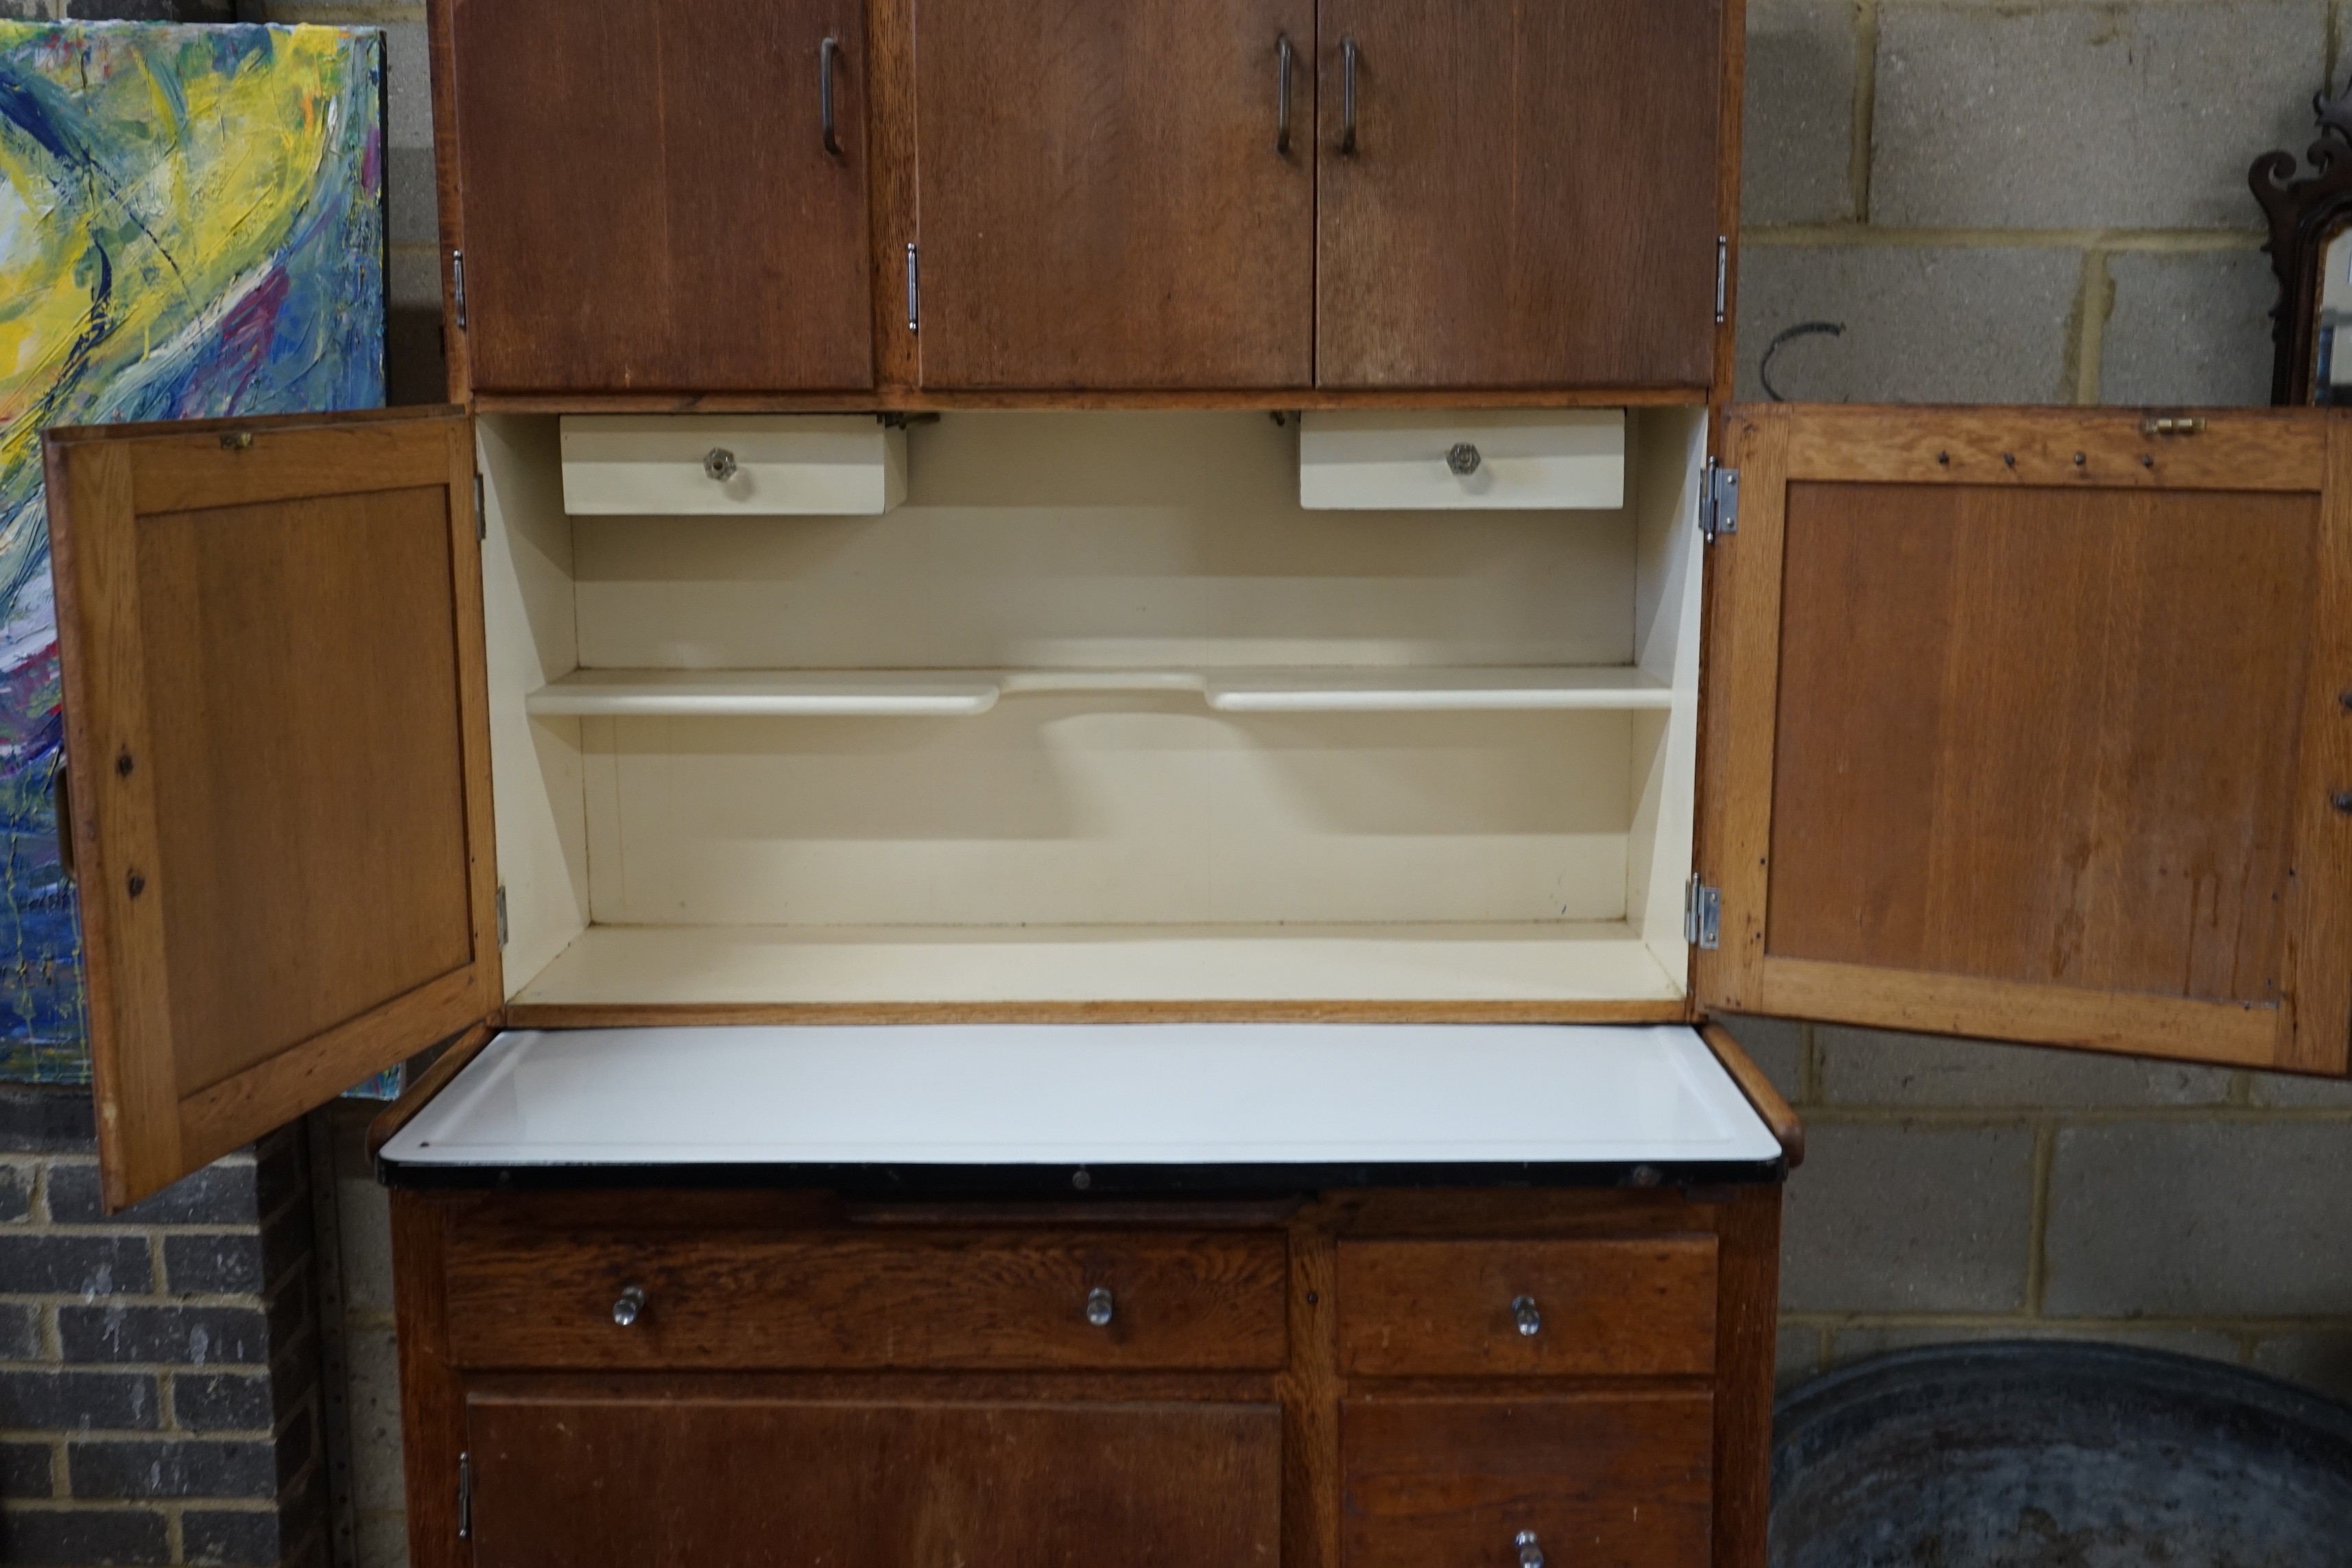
column 790, row 464
column 1498, row 460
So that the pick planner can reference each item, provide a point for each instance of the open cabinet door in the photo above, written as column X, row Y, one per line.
column 276, row 742
column 2036, row 724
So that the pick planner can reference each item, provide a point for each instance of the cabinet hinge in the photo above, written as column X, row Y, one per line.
column 1702, row 914
column 465, row 1497
column 482, row 512
column 501, row 903
column 1718, row 501
column 914, row 292
column 1722, row 274
column 457, row 285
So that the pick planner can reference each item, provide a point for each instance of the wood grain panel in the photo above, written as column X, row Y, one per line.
column 2040, row 735
column 1633, row 1307
column 1102, row 203
column 1613, row 1481
column 965, row 1300
column 648, row 202
column 1532, row 197
column 1748, row 1233
column 277, row 735
column 873, row 1483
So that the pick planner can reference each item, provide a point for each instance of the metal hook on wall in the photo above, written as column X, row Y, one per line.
column 1802, row 329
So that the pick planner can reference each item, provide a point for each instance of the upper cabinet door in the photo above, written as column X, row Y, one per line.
column 1109, row 199
column 1519, row 193
column 280, row 758
column 663, row 197
column 2037, row 725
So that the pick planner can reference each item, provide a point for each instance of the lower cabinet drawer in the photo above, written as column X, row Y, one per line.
column 948, row 1300
column 719, row 1483
column 1591, row 1482
column 1635, row 1306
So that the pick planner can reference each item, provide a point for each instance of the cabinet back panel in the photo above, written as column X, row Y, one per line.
column 1152, row 810
column 2081, row 768
column 308, row 764
column 1106, row 541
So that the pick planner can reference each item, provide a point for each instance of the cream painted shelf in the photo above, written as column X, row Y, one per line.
column 752, row 694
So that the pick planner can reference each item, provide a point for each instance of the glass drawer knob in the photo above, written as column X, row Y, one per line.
column 1530, row 1555
column 630, row 1307
column 1098, row 1307
column 1524, row 1313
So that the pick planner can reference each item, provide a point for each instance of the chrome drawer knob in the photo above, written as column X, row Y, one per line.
column 1524, row 1313
column 1530, row 1555
column 1098, row 1307
column 719, row 464
column 1463, row 459
column 630, row 1307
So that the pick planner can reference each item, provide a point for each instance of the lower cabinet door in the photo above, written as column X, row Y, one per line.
column 643, row 1479
column 1578, row 1482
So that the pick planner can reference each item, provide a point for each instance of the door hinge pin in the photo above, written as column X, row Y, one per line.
column 457, row 285
column 1722, row 275
column 1702, row 914
column 914, row 292
column 1718, row 501
column 465, row 1497
column 500, row 902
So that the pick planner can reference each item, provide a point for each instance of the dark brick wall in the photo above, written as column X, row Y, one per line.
column 159, row 1397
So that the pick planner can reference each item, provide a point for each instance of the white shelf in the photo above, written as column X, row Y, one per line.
column 783, row 693
column 1074, row 1094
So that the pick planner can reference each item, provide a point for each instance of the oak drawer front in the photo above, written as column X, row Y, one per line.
column 748, row 1483
column 955, row 1300
column 1591, row 1481
column 1631, row 1307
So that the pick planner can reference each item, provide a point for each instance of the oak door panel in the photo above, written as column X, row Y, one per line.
column 272, row 644
column 2031, row 730
column 1629, row 1307
column 664, row 1478
column 832, row 1302
column 1618, row 1479
column 1103, row 200
column 1530, row 200
column 649, row 202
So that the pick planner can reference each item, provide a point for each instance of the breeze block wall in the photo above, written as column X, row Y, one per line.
column 159, row 1399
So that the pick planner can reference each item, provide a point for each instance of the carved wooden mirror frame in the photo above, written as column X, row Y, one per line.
column 2305, row 217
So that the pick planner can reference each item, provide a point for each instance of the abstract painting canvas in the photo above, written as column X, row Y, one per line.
column 191, row 225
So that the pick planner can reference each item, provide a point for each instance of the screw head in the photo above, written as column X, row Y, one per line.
column 123, row 765
column 1463, row 459
column 138, row 884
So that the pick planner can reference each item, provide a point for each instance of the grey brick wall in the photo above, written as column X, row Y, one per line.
column 158, row 1389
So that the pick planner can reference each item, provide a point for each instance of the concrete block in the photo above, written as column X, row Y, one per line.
column 1909, row 1218
column 220, row 1193
column 43, row 1262
column 27, row 1472
column 219, row 1538
column 37, row 1118
column 2293, row 1091
column 79, row 1402
column 187, row 1336
column 2201, row 1218
column 2086, row 113
column 414, row 279
column 212, row 1265
column 377, row 1478
column 408, row 87
column 383, row 1541
column 17, row 1179
column 1865, row 1066
column 2320, row 1358
column 1922, row 324
column 223, row 1402
column 2188, row 328
column 1778, row 1047
column 411, row 216
column 1797, row 149
column 1797, row 1357
column 364, row 1212
column 20, row 1333
column 1857, row 1344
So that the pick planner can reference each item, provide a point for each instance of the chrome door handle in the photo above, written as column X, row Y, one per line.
column 1098, row 1307
column 1526, row 1315
column 630, row 1307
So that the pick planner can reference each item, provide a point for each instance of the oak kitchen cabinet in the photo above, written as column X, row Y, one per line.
column 1166, row 960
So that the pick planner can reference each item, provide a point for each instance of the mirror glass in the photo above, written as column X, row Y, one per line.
column 2331, row 295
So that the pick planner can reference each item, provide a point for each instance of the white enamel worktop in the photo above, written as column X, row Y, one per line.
column 1179, row 1095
